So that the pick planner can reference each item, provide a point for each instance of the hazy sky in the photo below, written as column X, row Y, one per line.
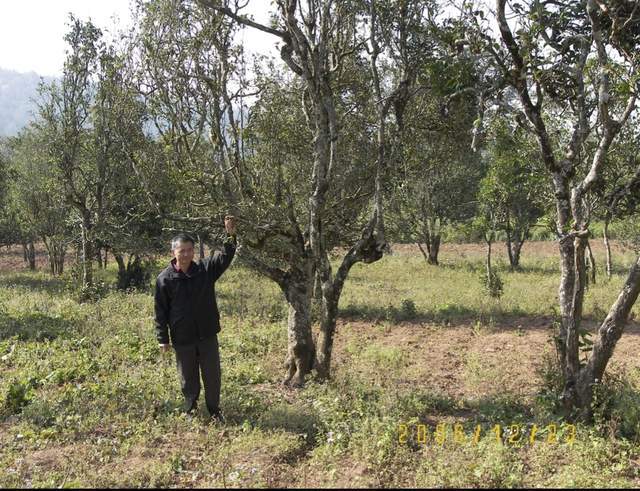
column 32, row 31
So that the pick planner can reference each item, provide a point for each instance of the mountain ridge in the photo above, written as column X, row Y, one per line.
column 18, row 93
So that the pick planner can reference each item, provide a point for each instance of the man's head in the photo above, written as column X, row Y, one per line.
column 182, row 247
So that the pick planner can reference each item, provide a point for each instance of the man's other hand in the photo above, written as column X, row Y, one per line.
column 164, row 348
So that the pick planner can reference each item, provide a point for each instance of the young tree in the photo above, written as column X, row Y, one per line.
column 65, row 118
column 35, row 198
column 437, row 172
column 516, row 185
column 618, row 193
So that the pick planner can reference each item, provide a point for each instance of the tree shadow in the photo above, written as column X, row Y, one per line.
column 513, row 319
column 36, row 326
column 441, row 314
column 292, row 419
column 488, row 410
column 503, row 267
column 35, row 283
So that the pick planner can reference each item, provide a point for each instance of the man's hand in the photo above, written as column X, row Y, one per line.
column 230, row 224
column 164, row 348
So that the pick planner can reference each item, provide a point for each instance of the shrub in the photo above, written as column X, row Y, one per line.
column 492, row 284
column 18, row 395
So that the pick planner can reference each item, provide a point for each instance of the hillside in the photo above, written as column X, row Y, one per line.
column 17, row 94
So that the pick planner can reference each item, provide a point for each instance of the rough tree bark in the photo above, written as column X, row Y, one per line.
column 607, row 248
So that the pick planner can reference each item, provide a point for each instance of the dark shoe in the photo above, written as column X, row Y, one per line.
column 190, row 407
column 216, row 417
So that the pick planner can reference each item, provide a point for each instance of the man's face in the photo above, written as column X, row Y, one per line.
column 183, row 253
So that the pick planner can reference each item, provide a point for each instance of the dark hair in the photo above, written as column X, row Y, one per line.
column 181, row 238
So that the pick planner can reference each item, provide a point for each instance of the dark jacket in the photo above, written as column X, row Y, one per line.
column 185, row 304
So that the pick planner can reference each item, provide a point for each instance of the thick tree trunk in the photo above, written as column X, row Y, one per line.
column 580, row 278
column 565, row 296
column 327, row 330
column 300, row 347
column 434, row 249
column 122, row 271
column 573, row 246
column 24, row 253
column 296, row 285
column 607, row 248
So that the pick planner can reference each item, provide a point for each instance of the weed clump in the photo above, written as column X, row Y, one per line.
column 407, row 311
column 18, row 395
column 492, row 284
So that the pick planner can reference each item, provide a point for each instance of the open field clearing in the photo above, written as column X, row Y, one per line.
column 425, row 367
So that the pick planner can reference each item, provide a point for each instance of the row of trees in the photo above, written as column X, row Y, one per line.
column 383, row 120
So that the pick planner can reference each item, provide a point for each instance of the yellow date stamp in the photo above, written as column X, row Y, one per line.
column 509, row 434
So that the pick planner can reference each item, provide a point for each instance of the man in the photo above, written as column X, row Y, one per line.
column 186, row 308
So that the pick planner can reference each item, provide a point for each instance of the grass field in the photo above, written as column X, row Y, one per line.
column 425, row 367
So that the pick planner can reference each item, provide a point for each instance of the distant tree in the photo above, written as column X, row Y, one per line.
column 515, row 185
column 437, row 175
column 618, row 192
column 93, row 129
column 64, row 117
column 36, row 198
column 485, row 224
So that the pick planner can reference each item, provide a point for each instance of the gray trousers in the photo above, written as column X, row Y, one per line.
column 205, row 358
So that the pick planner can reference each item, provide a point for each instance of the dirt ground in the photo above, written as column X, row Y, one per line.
column 464, row 362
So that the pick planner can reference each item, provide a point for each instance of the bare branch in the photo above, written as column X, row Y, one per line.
column 242, row 19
